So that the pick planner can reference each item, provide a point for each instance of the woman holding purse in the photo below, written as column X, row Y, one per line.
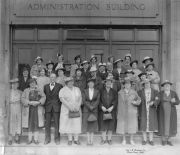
column 108, row 102
column 33, row 97
column 127, row 121
column 90, row 110
column 70, row 115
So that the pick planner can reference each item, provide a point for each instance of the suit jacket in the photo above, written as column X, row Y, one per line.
column 52, row 98
column 91, row 105
column 117, row 75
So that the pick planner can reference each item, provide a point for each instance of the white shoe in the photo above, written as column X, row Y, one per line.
column 123, row 142
column 132, row 142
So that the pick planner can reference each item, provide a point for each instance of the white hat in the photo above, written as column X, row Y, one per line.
column 118, row 60
column 102, row 64
column 147, row 58
column 128, row 55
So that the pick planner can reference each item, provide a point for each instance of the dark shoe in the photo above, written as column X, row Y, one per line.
column 109, row 142
column 36, row 142
column 18, row 141
column 88, row 144
column 10, row 142
column 164, row 143
column 69, row 142
column 57, row 142
column 144, row 142
column 103, row 142
column 169, row 143
column 29, row 142
column 151, row 143
column 77, row 142
column 46, row 142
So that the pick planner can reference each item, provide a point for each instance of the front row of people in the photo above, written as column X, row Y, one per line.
column 92, row 110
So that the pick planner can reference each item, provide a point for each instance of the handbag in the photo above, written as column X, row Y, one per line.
column 92, row 118
column 107, row 116
column 74, row 114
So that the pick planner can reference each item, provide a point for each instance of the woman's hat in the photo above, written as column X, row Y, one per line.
column 69, row 79
column 60, row 55
column 129, row 71
column 118, row 61
column 38, row 58
column 152, row 64
column 91, row 80
column 77, row 57
column 50, row 62
column 132, row 62
column 102, row 64
column 15, row 80
column 128, row 55
column 146, row 81
column 61, row 68
column 141, row 74
column 147, row 58
column 85, row 62
column 166, row 82
column 93, row 57
column 93, row 69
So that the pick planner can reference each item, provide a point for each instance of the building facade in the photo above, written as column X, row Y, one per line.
column 103, row 27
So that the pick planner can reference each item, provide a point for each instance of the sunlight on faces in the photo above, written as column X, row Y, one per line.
column 60, row 73
column 52, row 77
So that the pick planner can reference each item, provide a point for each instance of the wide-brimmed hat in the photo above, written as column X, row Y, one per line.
column 85, row 62
column 150, row 64
column 69, row 79
column 147, row 58
column 91, row 80
column 77, row 57
column 134, row 61
column 118, row 61
column 145, row 81
column 38, row 58
column 141, row 74
column 129, row 71
column 93, row 69
column 50, row 62
column 93, row 57
column 102, row 64
column 15, row 80
column 60, row 68
column 166, row 82
column 128, row 55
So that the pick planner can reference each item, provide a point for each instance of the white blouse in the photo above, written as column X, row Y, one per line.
column 91, row 92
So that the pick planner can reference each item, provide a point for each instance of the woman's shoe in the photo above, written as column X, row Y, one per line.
column 164, row 143
column 29, row 142
column 36, row 142
column 151, row 143
column 132, row 142
column 103, row 142
column 169, row 143
column 10, row 142
column 144, row 142
column 77, row 142
column 109, row 142
column 69, row 142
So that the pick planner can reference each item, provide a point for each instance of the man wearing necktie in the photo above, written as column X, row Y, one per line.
column 52, row 108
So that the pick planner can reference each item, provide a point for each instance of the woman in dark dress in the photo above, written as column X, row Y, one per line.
column 90, row 111
column 32, row 97
column 24, row 79
column 167, row 115
column 107, row 107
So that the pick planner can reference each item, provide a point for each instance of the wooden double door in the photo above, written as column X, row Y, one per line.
column 26, row 53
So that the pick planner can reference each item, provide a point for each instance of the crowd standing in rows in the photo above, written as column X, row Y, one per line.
column 87, row 97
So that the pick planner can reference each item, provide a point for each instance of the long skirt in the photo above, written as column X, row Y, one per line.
column 33, row 119
column 89, row 126
column 15, row 119
column 167, row 115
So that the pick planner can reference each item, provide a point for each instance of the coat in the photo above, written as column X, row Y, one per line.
column 107, row 100
column 153, row 122
column 90, row 107
column 80, row 83
column 25, row 113
column 23, row 84
column 173, row 115
column 52, row 98
column 70, row 97
column 127, row 120
column 117, row 75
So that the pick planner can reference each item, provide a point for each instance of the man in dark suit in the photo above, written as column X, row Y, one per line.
column 52, row 108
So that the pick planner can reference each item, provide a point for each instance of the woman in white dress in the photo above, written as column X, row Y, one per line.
column 71, row 115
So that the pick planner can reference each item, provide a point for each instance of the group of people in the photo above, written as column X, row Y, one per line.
column 87, row 97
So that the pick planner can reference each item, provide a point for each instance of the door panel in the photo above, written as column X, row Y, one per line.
column 119, row 51
column 22, row 54
column 148, row 50
column 70, row 51
column 48, row 52
column 101, row 51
